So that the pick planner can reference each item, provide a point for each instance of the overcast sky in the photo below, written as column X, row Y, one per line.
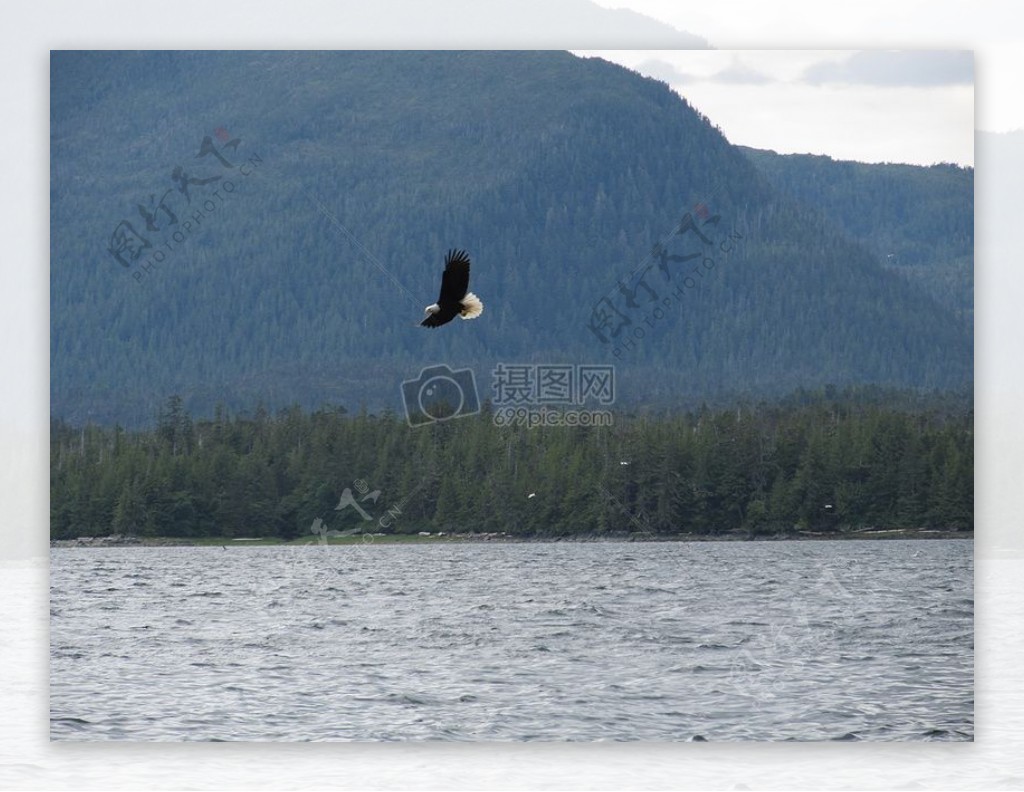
column 914, row 106
column 992, row 29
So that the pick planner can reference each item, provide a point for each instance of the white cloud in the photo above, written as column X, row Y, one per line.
column 736, row 72
column 991, row 30
column 896, row 68
column 664, row 71
column 740, row 73
column 761, row 98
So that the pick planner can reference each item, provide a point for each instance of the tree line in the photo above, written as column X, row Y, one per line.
column 814, row 464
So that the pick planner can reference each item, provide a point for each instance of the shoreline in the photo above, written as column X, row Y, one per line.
column 480, row 538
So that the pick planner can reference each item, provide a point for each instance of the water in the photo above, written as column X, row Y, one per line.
column 602, row 641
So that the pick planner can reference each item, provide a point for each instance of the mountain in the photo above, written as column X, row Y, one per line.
column 297, row 207
column 917, row 221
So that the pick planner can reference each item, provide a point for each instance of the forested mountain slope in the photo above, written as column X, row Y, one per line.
column 352, row 173
column 917, row 221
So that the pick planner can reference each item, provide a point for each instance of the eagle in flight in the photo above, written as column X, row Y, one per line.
column 455, row 299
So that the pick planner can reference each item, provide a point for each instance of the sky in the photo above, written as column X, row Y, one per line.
column 912, row 106
column 992, row 30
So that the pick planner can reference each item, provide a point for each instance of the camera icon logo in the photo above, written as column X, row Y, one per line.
column 439, row 394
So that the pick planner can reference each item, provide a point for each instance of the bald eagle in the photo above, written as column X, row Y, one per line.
column 455, row 300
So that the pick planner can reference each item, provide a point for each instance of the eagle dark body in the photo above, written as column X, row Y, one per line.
column 455, row 298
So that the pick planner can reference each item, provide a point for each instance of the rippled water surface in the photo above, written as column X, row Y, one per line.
column 597, row 641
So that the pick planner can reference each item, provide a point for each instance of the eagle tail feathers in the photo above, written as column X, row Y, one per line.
column 472, row 307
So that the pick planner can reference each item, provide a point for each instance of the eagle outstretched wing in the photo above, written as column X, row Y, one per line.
column 455, row 280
